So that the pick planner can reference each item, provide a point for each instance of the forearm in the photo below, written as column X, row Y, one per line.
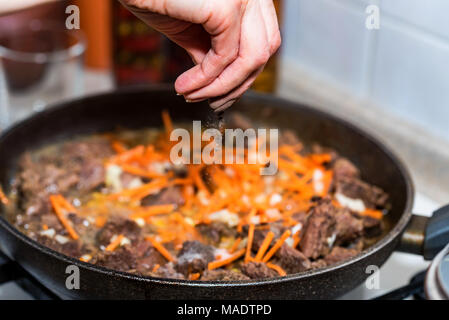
column 16, row 5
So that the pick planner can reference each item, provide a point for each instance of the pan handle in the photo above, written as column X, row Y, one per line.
column 426, row 236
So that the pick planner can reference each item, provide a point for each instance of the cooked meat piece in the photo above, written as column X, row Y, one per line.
column 170, row 195
column 147, row 257
column 318, row 149
column 71, row 248
column 121, row 259
column 168, row 271
column 339, row 254
column 372, row 227
column 213, row 232
column 194, row 257
column 116, row 227
column 291, row 260
column 92, row 175
column 345, row 168
column 239, row 121
column 318, row 230
column 223, row 275
column 320, row 263
column 258, row 270
column 348, row 226
column 372, row 196
column 289, row 137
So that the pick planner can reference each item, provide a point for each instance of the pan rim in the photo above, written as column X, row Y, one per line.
column 398, row 228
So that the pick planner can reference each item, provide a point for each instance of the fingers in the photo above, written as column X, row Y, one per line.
column 271, row 24
column 222, row 103
column 224, row 27
column 254, row 54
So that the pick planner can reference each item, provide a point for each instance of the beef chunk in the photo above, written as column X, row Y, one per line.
column 118, row 226
column 213, row 232
column 92, row 174
column 170, row 195
column 147, row 257
column 372, row 227
column 168, row 271
column 223, row 275
column 319, row 228
column 289, row 137
column 348, row 226
column 194, row 257
column 320, row 263
column 121, row 259
column 339, row 254
column 291, row 260
column 345, row 168
column 372, row 196
column 72, row 248
column 258, row 270
column 259, row 234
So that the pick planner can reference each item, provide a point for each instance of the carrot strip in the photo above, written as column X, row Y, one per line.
column 149, row 211
column 277, row 245
column 159, row 247
column 220, row 263
column 250, row 242
column 235, row 245
column 65, row 204
column 376, row 214
column 128, row 155
column 194, row 276
column 264, row 247
column 114, row 244
column 139, row 172
column 118, row 147
column 3, row 198
column 277, row 268
column 156, row 267
column 168, row 124
column 60, row 214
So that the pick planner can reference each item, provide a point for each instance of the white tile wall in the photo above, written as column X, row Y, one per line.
column 430, row 15
column 328, row 38
column 403, row 67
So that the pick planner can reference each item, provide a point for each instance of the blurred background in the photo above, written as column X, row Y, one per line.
column 392, row 81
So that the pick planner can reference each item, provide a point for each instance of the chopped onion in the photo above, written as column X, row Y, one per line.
column 353, row 204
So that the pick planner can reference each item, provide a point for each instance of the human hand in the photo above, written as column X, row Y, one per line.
column 230, row 42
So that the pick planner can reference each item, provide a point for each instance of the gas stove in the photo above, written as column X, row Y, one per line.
column 402, row 270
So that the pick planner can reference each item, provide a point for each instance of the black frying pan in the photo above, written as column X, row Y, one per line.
column 136, row 108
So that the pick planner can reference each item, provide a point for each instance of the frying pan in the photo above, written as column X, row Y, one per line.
column 141, row 107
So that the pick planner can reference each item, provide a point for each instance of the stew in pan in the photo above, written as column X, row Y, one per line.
column 116, row 200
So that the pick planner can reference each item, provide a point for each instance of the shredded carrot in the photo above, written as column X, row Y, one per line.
column 235, row 245
column 277, row 245
column 139, row 172
column 3, row 198
column 168, row 124
column 100, row 221
column 159, row 247
column 194, row 276
column 250, row 242
column 128, row 155
column 376, row 214
column 83, row 259
column 264, row 246
column 65, row 204
column 156, row 267
column 149, row 211
column 59, row 210
column 118, row 147
column 220, row 263
column 277, row 268
column 114, row 244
